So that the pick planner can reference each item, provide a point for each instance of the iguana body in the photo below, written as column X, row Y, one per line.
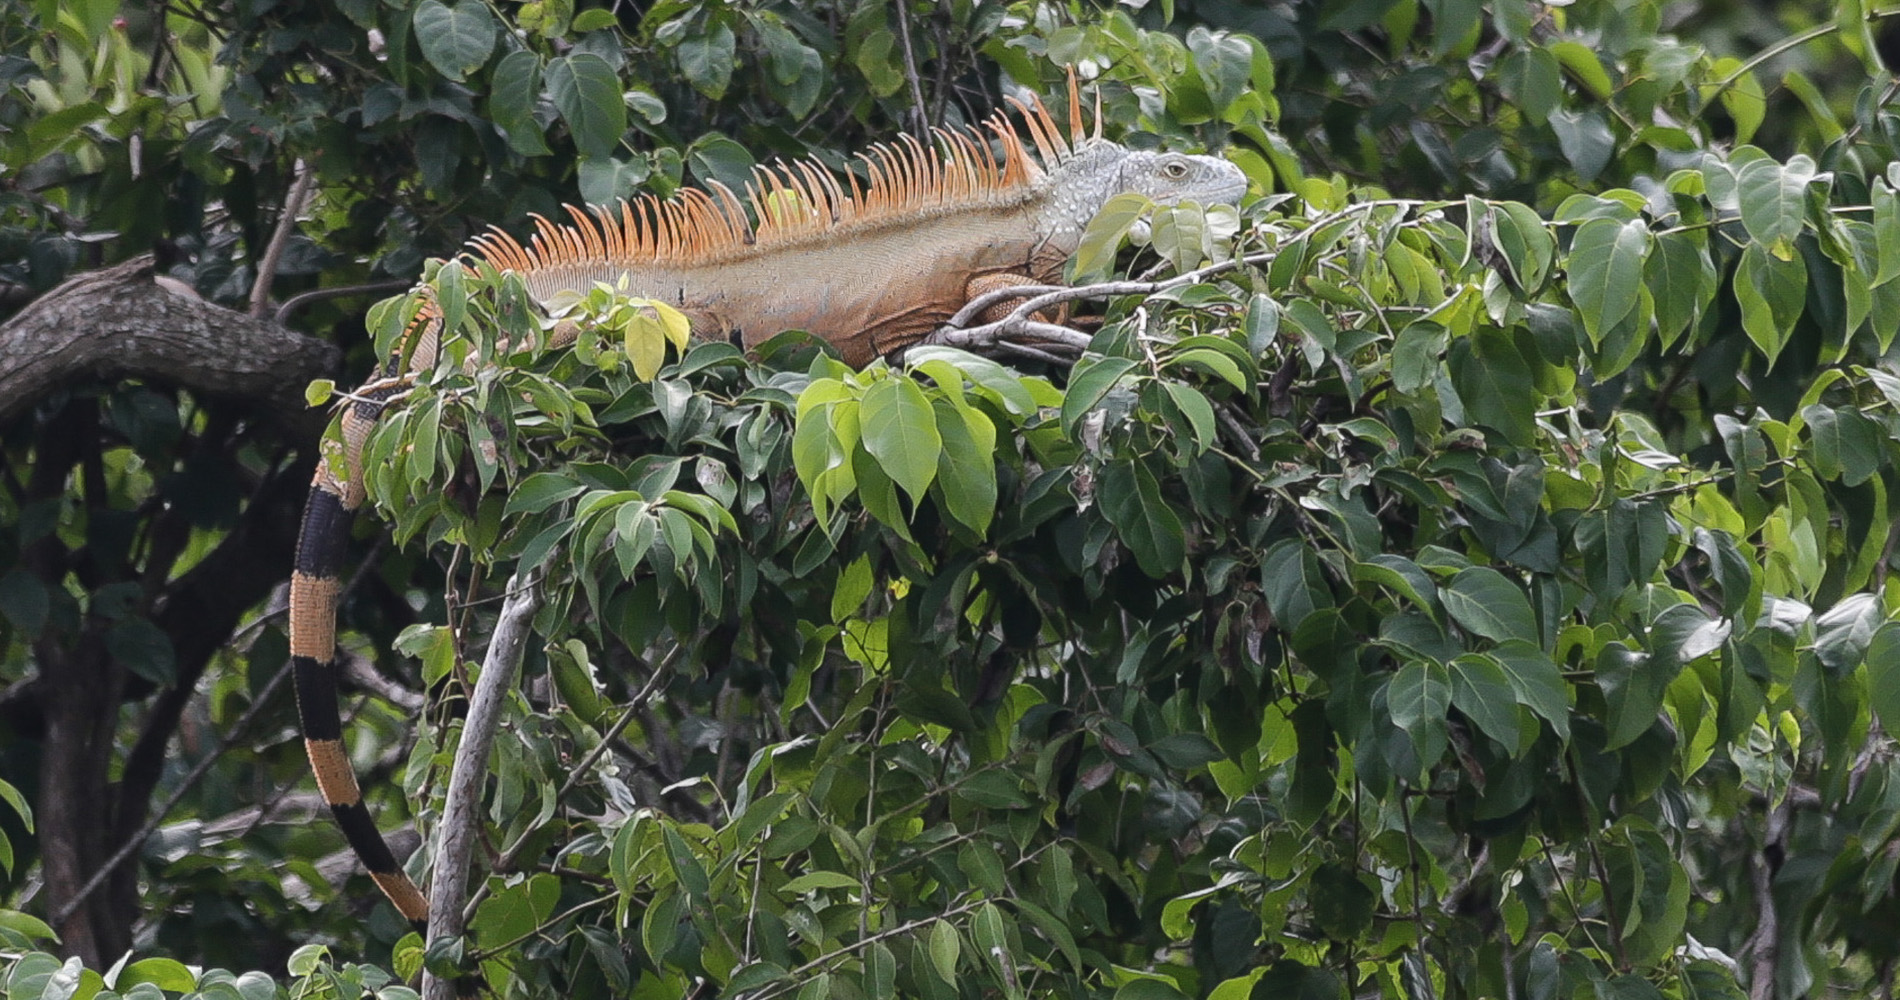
column 870, row 267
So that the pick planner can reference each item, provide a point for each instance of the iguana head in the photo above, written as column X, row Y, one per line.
column 1081, row 183
column 1168, row 178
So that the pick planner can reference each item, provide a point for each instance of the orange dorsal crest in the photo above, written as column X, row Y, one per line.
column 800, row 199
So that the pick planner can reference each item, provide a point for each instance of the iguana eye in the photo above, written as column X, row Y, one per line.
column 1175, row 170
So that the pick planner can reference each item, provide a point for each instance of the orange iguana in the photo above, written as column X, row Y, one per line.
column 869, row 266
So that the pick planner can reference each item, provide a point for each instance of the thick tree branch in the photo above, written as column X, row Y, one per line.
column 119, row 322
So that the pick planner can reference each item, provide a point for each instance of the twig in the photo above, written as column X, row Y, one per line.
column 918, row 124
column 274, row 251
column 1037, row 353
column 469, row 773
column 586, row 764
column 1748, row 65
column 301, row 299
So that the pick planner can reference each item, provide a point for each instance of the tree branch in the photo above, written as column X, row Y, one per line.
column 462, row 804
column 274, row 251
column 119, row 322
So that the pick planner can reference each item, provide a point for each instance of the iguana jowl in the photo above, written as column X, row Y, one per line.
column 869, row 266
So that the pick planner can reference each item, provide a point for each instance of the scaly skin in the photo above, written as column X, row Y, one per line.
column 890, row 282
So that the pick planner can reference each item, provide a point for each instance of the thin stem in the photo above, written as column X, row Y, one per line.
column 1791, row 42
column 274, row 251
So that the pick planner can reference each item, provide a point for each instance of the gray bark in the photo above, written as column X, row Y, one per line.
column 120, row 322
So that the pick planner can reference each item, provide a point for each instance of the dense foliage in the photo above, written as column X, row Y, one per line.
column 1465, row 576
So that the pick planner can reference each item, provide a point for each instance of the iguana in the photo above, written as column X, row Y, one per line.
column 870, row 266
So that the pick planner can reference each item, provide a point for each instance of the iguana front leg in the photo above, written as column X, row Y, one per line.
column 986, row 283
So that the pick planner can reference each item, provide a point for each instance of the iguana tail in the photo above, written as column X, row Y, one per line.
column 335, row 494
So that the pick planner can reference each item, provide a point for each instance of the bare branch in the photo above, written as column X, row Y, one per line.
column 919, row 125
column 301, row 299
column 461, row 807
column 119, row 322
column 274, row 252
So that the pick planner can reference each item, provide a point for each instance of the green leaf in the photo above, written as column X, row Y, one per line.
column 1526, row 242
column 966, row 467
column 1772, row 293
column 515, row 911
column 1483, row 601
column 24, row 601
column 1606, row 270
column 1178, row 234
column 456, row 40
column 900, row 431
column 1632, row 693
column 659, row 925
column 1883, row 675
column 143, row 648
column 1290, row 577
column 1683, row 281
column 592, row 20
column 604, row 182
column 540, row 491
column 877, row 57
column 1131, row 498
column 1415, row 354
column 1185, row 751
column 1481, row 690
column 1262, row 323
column 1535, row 680
column 714, row 157
column 1584, row 138
column 1495, row 384
column 1149, row 989
column 1052, row 928
column 586, row 92
column 1774, row 201
column 1400, row 574
column 1845, row 632
column 1584, row 66
column 1343, row 905
column 706, row 59
column 992, row 380
column 1847, row 445
column 1090, row 380
column 1214, row 363
column 881, row 972
column 1532, row 79
column 945, row 948
column 514, row 88
column 1198, row 411
column 164, row 973
column 686, row 866
column 1743, row 100
column 820, row 880
column 1420, row 693
column 1886, row 231
column 1105, row 233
